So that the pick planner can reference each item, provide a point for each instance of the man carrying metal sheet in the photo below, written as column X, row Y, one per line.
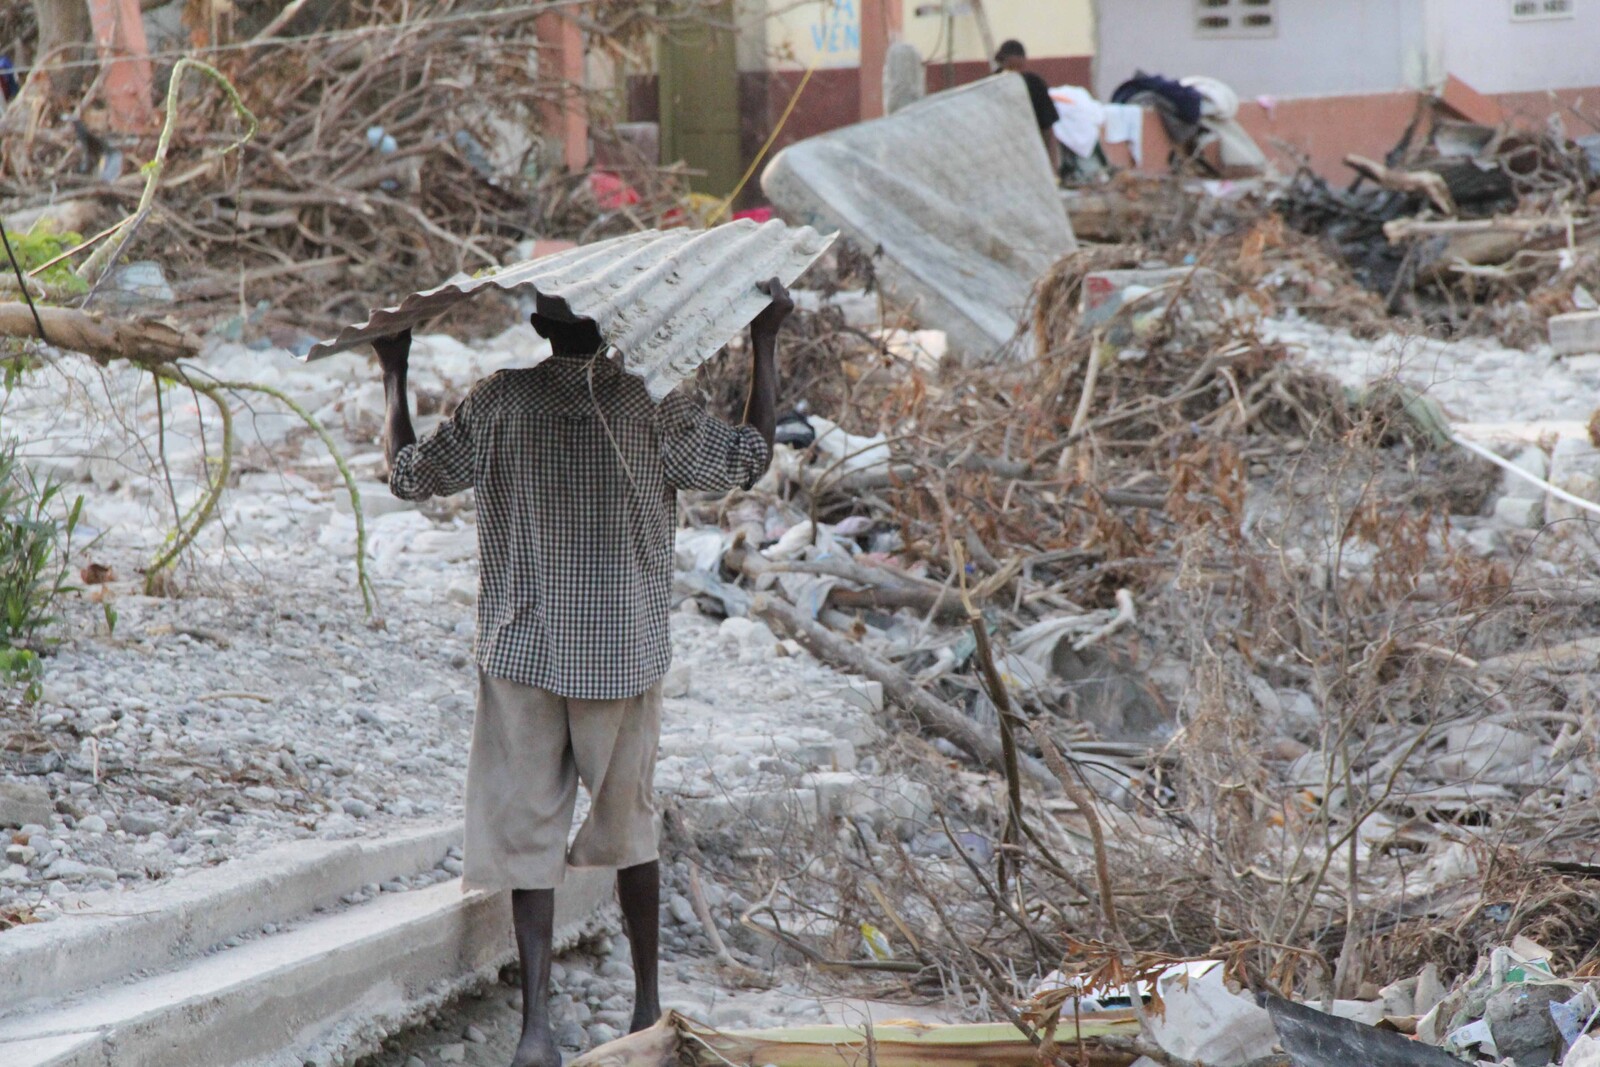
column 575, row 471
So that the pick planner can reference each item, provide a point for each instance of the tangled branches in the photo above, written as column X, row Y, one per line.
column 399, row 144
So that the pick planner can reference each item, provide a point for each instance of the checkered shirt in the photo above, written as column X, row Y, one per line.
column 576, row 470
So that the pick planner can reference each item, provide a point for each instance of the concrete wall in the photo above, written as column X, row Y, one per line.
column 1355, row 47
column 795, row 34
column 1052, row 29
column 1322, row 47
column 1477, row 41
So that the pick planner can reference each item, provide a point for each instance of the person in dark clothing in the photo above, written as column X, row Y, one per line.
column 1013, row 58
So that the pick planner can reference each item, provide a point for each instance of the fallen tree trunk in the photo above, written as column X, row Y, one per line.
column 140, row 341
column 935, row 715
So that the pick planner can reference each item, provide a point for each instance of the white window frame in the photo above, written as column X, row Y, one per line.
column 1542, row 10
column 1235, row 11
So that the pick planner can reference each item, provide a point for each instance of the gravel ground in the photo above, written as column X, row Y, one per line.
column 1477, row 381
column 256, row 702
column 259, row 703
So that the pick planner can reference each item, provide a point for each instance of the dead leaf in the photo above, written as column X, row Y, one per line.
column 97, row 574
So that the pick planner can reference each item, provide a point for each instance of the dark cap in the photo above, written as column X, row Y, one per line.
column 1010, row 48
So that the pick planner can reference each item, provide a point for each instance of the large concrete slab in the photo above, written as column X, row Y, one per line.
column 954, row 199
column 320, row 993
column 118, row 934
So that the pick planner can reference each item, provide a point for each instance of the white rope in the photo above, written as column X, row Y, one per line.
column 1555, row 491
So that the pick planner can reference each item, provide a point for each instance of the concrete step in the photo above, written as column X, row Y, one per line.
column 146, row 978
column 118, row 934
column 321, row 993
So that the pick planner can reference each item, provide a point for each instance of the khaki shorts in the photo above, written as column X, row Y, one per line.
column 530, row 749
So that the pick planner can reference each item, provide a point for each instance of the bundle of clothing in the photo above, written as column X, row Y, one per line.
column 1196, row 112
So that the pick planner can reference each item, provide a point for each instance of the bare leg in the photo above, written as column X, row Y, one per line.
column 533, row 915
column 639, row 889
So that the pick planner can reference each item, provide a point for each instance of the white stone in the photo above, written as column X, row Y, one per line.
column 1519, row 512
column 682, row 910
column 734, row 628
column 67, row 870
column 1489, row 752
column 375, row 500
column 863, row 694
column 676, row 682
column 1533, row 460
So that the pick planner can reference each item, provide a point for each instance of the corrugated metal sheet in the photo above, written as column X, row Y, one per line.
column 955, row 194
column 666, row 299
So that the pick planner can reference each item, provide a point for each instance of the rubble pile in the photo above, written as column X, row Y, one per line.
column 1310, row 706
column 1477, row 228
column 1213, row 667
column 1470, row 229
column 371, row 167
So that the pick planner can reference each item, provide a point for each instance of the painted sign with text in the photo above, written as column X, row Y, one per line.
column 822, row 34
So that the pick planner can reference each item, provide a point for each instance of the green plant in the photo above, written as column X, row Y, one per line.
column 42, row 247
column 34, row 548
column 111, row 618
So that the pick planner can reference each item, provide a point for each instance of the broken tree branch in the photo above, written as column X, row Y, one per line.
column 146, row 342
column 200, row 514
column 939, row 717
column 104, row 257
column 369, row 597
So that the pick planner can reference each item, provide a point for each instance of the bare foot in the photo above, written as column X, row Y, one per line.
column 643, row 1019
column 536, row 1049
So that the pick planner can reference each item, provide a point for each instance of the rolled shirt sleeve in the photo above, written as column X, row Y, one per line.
column 700, row 452
column 441, row 463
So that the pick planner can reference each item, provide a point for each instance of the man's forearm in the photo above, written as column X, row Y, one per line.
column 760, row 409
column 397, row 431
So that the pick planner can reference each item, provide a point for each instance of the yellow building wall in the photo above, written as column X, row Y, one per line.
column 1045, row 28
column 795, row 34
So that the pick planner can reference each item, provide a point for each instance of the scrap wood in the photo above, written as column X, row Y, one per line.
column 678, row 1041
column 741, row 973
column 1400, row 229
column 1421, row 182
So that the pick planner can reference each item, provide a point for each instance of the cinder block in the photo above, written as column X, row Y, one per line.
column 864, row 694
column 1575, row 332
